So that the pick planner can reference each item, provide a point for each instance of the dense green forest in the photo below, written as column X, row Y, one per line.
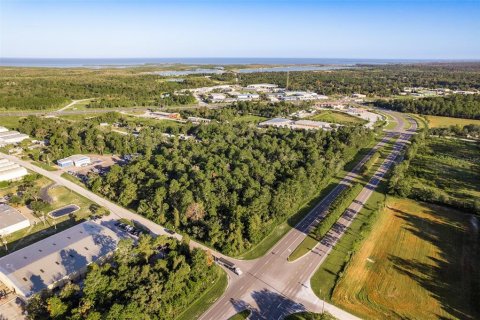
column 459, row 106
column 157, row 279
column 374, row 80
column 228, row 113
column 44, row 88
column 39, row 89
column 229, row 187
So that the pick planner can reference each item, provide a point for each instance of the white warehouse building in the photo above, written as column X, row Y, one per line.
column 50, row 262
column 11, row 220
column 77, row 160
column 10, row 171
column 10, row 137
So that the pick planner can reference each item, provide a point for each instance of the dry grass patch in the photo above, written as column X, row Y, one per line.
column 436, row 121
column 419, row 262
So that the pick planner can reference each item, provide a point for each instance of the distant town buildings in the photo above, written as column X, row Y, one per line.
column 198, row 120
column 233, row 93
column 297, row 125
column 262, row 87
column 428, row 92
column 217, row 97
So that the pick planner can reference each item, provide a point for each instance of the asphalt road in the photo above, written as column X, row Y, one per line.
column 271, row 286
column 117, row 211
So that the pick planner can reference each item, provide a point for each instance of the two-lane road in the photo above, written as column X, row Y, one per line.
column 273, row 287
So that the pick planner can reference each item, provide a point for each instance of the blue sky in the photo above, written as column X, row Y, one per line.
column 213, row 28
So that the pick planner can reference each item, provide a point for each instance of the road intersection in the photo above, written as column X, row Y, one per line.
column 271, row 286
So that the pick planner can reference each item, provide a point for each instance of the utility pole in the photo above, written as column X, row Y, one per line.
column 288, row 78
column 4, row 242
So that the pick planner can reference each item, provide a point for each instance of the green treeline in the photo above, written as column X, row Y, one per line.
column 373, row 80
column 37, row 89
column 370, row 162
column 398, row 184
column 228, row 113
column 158, row 279
column 66, row 138
column 439, row 170
column 336, row 209
column 457, row 105
column 468, row 131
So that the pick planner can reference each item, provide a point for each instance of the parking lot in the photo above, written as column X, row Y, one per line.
column 10, row 305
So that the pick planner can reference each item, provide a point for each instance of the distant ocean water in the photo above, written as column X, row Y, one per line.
column 120, row 63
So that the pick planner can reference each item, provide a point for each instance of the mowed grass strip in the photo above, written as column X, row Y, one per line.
column 437, row 121
column 208, row 298
column 418, row 262
column 325, row 278
column 334, row 212
column 368, row 169
column 337, row 117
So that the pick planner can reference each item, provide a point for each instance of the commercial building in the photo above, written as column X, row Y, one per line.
column 301, row 95
column 312, row 125
column 263, row 87
column 10, row 137
column 51, row 262
column 277, row 122
column 10, row 171
column 11, row 220
column 198, row 120
column 247, row 96
column 297, row 125
column 166, row 115
column 216, row 97
column 77, row 160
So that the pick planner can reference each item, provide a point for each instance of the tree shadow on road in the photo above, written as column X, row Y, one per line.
column 271, row 305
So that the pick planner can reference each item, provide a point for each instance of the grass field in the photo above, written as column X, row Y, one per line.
column 10, row 121
column 451, row 167
column 337, row 117
column 421, row 121
column 248, row 119
column 199, row 306
column 61, row 197
column 325, row 278
column 417, row 263
column 436, row 122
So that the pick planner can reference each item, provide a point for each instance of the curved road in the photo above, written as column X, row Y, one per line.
column 270, row 286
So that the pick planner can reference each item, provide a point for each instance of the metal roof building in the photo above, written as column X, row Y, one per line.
column 11, row 171
column 11, row 220
column 50, row 262
column 78, row 160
